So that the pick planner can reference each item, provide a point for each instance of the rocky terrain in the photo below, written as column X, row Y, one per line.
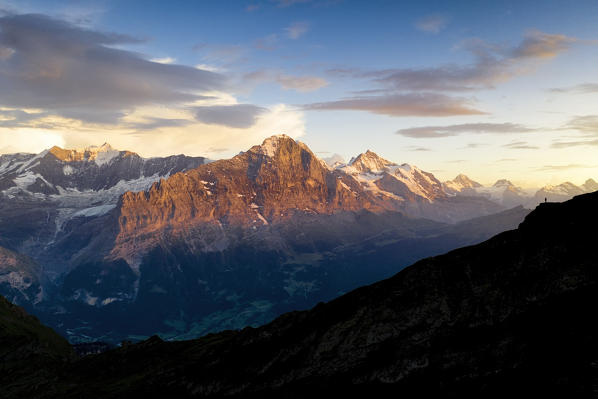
column 508, row 317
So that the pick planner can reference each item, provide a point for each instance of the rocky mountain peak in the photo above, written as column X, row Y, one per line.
column 461, row 184
column 100, row 154
column 466, row 181
column 370, row 162
column 503, row 183
column 271, row 145
column 590, row 185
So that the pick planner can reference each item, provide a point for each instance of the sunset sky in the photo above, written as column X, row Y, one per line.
column 491, row 89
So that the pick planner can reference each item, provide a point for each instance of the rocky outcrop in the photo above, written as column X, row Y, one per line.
column 20, row 278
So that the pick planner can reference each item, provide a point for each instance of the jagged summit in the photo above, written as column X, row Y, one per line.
column 100, row 154
column 370, row 162
column 461, row 184
column 466, row 181
column 270, row 145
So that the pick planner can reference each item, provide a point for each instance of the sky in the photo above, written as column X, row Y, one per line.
column 491, row 89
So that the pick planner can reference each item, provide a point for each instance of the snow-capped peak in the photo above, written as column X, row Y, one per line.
column 101, row 155
column 370, row 162
column 460, row 184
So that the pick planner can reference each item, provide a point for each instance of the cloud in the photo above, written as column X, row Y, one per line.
column 196, row 138
column 288, row 82
column 565, row 167
column 520, row 145
column 13, row 118
column 334, row 158
column 587, row 124
column 288, row 3
column 465, row 128
column 235, row 116
column 409, row 104
column 567, row 144
column 301, row 83
column 151, row 123
column 164, row 60
column 542, row 45
column 297, row 29
column 419, row 149
column 580, row 88
column 492, row 64
column 475, row 145
column 432, row 23
column 78, row 73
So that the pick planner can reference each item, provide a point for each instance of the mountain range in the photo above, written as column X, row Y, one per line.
column 511, row 316
column 507, row 194
column 188, row 246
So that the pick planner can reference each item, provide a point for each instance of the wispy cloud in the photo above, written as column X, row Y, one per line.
column 565, row 167
column 419, row 149
column 567, row 144
column 474, row 145
column 492, row 64
column 432, row 23
column 542, row 45
column 580, row 88
column 520, row 145
column 151, row 123
column 409, row 104
column 587, row 124
column 289, row 82
column 465, row 128
column 297, row 29
column 301, row 83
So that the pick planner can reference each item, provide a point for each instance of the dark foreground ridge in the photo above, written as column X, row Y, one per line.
column 513, row 315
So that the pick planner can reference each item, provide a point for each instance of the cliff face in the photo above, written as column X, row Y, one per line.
column 267, row 184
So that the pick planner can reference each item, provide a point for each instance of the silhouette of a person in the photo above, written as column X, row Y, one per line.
column 545, row 199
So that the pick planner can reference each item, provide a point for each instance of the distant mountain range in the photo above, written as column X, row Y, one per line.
column 116, row 246
column 512, row 316
column 507, row 194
